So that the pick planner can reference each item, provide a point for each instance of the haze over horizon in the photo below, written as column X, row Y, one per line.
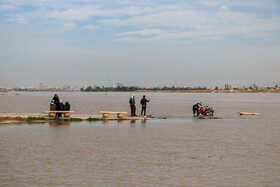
column 158, row 43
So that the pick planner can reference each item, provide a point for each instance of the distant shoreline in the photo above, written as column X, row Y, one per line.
column 163, row 91
column 211, row 91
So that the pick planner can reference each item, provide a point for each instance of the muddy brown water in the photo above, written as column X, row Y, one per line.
column 178, row 151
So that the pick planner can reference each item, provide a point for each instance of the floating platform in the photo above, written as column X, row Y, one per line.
column 40, row 117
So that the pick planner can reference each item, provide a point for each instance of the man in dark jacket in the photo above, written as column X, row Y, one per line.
column 55, row 99
column 132, row 105
column 59, row 107
column 144, row 105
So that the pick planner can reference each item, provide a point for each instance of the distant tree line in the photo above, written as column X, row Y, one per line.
column 36, row 89
column 110, row 89
column 134, row 88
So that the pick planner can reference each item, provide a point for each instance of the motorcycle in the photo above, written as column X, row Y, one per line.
column 206, row 111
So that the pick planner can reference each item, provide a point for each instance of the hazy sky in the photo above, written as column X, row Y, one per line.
column 152, row 43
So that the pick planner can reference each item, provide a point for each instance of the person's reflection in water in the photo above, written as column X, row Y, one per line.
column 143, row 123
column 105, row 122
column 54, row 123
column 143, row 120
column 132, row 123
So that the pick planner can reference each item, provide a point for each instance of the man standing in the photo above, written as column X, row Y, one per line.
column 144, row 105
column 132, row 105
column 55, row 99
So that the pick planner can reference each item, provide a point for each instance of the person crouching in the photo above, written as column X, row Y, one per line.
column 52, row 106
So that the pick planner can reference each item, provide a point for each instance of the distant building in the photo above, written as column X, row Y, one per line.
column 41, row 87
column 70, row 88
column 85, row 86
column 2, row 89
column 255, row 87
column 114, row 85
column 217, row 88
column 228, row 86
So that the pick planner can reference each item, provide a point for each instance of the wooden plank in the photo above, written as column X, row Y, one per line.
column 111, row 112
column 248, row 113
column 61, row 111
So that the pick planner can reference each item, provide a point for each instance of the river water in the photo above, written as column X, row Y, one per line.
column 180, row 150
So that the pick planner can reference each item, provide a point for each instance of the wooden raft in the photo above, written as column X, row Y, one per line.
column 105, row 114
